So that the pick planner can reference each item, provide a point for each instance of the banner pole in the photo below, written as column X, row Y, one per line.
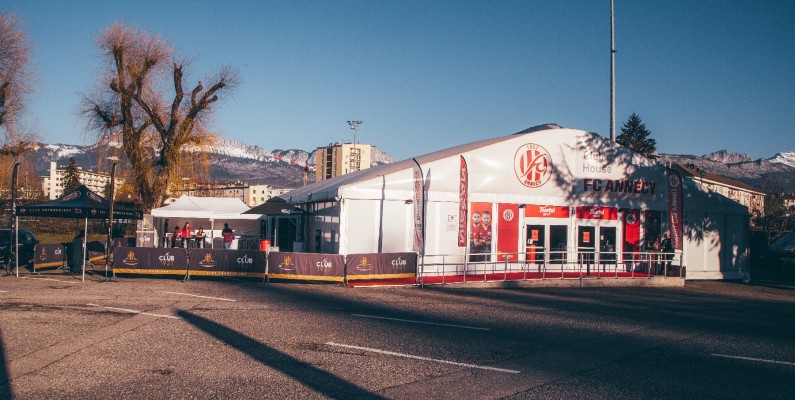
column 85, row 248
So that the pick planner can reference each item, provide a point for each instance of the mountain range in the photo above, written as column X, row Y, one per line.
column 236, row 161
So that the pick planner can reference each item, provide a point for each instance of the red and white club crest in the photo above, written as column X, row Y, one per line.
column 532, row 165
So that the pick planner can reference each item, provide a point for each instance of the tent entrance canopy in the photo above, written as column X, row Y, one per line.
column 209, row 213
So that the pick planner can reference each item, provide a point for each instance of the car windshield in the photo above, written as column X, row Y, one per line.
column 784, row 243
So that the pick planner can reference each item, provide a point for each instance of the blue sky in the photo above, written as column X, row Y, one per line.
column 427, row 75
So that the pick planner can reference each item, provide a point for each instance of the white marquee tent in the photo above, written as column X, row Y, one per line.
column 209, row 213
column 524, row 176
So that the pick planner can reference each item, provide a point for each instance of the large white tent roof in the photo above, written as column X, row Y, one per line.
column 205, row 207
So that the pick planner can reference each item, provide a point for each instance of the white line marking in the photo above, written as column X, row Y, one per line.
column 423, row 322
column 3, row 291
column 754, row 359
column 512, row 371
column 196, row 295
column 48, row 279
column 126, row 310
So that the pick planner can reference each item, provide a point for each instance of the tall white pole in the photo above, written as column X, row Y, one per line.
column 612, row 75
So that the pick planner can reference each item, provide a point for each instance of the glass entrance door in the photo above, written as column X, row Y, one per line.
column 558, row 243
column 607, row 247
column 586, row 246
column 536, row 242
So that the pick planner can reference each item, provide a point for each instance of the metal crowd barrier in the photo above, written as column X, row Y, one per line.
column 559, row 265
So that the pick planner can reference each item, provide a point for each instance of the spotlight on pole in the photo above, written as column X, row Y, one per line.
column 354, row 126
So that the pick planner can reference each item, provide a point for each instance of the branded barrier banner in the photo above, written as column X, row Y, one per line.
column 49, row 255
column 306, row 266
column 208, row 262
column 146, row 260
column 381, row 266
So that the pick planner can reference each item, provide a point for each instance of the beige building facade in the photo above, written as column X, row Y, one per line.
column 339, row 159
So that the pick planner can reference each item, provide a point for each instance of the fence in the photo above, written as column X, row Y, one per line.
column 453, row 268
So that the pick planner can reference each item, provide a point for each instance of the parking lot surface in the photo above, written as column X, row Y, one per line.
column 150, row 338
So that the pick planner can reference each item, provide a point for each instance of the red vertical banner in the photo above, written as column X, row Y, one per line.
column 630, row 225
column 418, row 208
column 480, row 231
column 508, row 232
column 463, row 199
column 675, row 208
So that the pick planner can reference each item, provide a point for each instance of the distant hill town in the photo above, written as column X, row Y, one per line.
column 235, row 161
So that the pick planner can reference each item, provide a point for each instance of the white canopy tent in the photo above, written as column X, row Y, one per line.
column 209, row 213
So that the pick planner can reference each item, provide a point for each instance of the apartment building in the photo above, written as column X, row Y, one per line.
column 52, row 184
column 339, row 159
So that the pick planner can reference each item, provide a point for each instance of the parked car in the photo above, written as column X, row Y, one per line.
column 783, row 249
column 27, row 242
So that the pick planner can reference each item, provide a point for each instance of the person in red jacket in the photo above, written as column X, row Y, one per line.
column 228, row 236
column 186, row 234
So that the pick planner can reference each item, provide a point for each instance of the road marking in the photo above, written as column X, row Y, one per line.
column 203, row 297
column 3, row 291
column 423, row 322
column 754, row 359
column 133, row 311
column 48, row 279
column 391, row 353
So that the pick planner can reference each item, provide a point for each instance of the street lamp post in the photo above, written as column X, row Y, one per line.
column 110, row 213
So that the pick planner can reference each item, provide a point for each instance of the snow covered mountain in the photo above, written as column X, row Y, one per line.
column 228, row 161
column 773, row 174
column 787, row 158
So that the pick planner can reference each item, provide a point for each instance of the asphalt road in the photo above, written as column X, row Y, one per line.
column 144, row 338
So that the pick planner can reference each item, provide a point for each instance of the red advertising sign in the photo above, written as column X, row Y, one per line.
column 539, row 211
column 597, row 212
column 630, row 222
column 463, row 199
column 508, row 232
column 586, row 237
column 675, row 208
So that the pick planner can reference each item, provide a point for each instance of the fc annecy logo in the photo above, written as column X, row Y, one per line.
column 673, row 180
column 532, row 165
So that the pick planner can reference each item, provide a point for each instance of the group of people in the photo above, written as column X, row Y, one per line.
column 666, row 248
column 183, row 237
column 480, row 236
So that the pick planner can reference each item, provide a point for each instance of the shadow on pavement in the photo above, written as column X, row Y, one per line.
column 317, row 379
column 5, row 385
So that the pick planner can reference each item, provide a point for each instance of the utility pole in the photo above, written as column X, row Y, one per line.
column 612, row 75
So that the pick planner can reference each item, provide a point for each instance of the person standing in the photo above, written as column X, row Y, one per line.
column 186, row 235
column 228, row 235
column 176, row 237
column 76, row 260
column 667, row 248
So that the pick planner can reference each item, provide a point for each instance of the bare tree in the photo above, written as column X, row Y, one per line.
column 158, row 119
column 15, row 83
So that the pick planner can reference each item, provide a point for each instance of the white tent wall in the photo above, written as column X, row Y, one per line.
column 716, row 246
